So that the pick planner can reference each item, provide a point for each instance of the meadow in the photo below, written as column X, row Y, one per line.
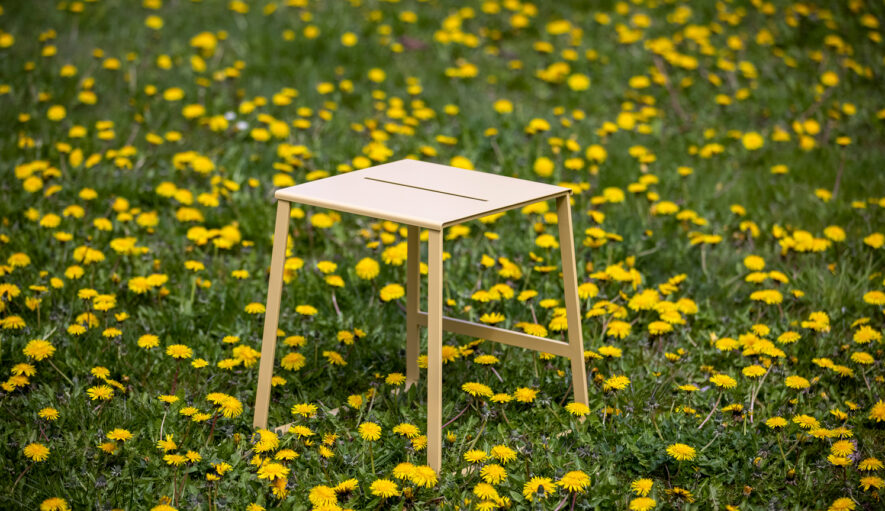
column 727, row 165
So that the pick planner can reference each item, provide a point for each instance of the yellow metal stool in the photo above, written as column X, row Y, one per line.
column 430, row 196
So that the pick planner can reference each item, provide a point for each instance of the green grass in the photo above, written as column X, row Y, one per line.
column 738, row 460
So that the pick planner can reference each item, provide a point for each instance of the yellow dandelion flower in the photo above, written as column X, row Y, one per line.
column 681, row 452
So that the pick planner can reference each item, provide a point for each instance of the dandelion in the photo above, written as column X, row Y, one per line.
column 769, row 296
column 842, row 448
column 407, row 430
column 525, row 395
column 384, row 488
column 38, row 349
column 541, row 487
column 842, row 504
column 370, row 431
column 503, row 453
column 681, row 452
column 486, row 360
column 100, row 392
column 574, row 481
column 642, row 504
column 403, row 471
column 619, row 329
column 475, row 456
column 493, row 473
column 477, row 389
column 392, row 292
column 723, row 381
column 492, row 318
column 289, row 454
column 776, row 422
column 752, row 140
column 870, row 464
column 48, row 413
column 322, row 496
column 36, row 452
column 796, row 382
column 501, row 398
column 874, row 298
column 868, row 482
column 753, row 371
column 395, row 379
column 255, row 308
column 54, row 504
column 486, row 491
column 148, row 341
column 230, row 407
column 641, row 487
column 806, row 421
column 119, row 435
column 179, row 351
column 304, row 409
column 877, row 412
column 577, row 409
column 424, row 476
column 272, row 471
column 616, row 383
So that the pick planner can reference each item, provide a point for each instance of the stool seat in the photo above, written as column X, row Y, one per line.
column 418, row 193
column 430, row 196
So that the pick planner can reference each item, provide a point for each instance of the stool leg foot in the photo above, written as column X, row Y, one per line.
column 272, row 315
column 413, row 299
column 573, row 311
column 434, row 350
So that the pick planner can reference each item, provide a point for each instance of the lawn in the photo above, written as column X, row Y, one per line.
column 727, row 166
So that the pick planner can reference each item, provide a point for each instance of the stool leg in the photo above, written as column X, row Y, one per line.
column 272, row 315
column 413, row 300
column 434, row 350
column 573, row 311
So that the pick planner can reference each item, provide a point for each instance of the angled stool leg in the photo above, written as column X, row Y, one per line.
column 272, row 315
column 413, row 301
column 434, row 350
column 573, row 311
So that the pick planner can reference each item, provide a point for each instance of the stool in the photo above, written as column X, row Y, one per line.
column 430, row 196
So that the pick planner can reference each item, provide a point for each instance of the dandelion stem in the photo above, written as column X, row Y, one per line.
column 325, row 472
column 704, row 258
column 567, row 393
column 190, row 303
column 781, row 449
column 710, row 442
column 481, row 429
column 865, row 380
column 561, row 503
column 604, row 412
column 19, row 478
column 175, row 376
column 715, row 405
column 756, row 393
column 212, row 429
column 456, row 417
column 335, row 304
column 61, row 373
column 162, row 423
column 655, row 424
column 504, row 414
column 372, row 457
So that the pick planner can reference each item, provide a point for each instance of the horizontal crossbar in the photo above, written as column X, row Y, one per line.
column 504, row 336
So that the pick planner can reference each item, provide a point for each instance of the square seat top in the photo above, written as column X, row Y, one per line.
column 418, row 193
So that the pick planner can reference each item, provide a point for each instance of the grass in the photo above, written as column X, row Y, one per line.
column 672, row 86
